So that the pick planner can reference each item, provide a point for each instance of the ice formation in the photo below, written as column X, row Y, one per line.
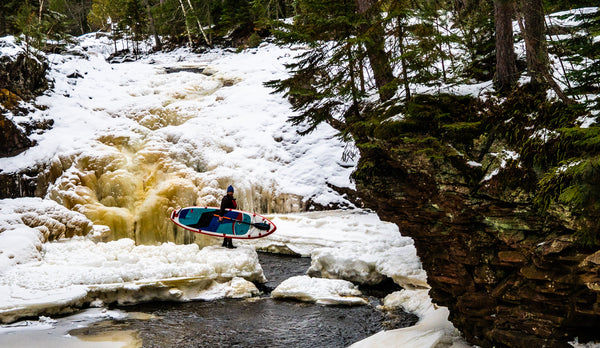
column 78, row 271
column 320, row 291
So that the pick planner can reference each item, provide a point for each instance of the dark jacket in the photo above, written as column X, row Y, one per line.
column 228, row 202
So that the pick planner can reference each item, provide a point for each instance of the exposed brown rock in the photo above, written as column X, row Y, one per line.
column 22, row 77
column 510, row 277
column 13, row 140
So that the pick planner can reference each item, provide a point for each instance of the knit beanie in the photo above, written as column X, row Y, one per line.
column 230, row 188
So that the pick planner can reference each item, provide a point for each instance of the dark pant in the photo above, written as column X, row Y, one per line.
column 227, row 242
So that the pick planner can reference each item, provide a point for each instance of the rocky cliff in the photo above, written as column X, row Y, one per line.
column 22, row 74
column 510, row 275
column 22, row 77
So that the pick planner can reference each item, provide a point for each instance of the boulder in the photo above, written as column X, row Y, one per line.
column 14, row 140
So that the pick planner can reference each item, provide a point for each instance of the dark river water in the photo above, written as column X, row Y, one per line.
column 257, row 322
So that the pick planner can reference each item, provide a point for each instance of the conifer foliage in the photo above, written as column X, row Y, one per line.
column 337, row 81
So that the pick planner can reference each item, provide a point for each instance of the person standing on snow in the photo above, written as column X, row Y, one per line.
column 228, row 202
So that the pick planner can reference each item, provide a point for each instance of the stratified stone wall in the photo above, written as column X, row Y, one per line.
column 509, row 276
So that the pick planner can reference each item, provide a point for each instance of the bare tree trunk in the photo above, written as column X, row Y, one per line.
column 536, row 49
column 535, row 41
column 208, row 42
column 375, row 45
column 506, row 68
column 353, row 80
column 401, row 35
column 440, row 50
column 40, row 12
column 361, row 72
column 187, row 27
column 158, row 45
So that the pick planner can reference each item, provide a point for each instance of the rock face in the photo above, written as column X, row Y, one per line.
column 22, row 77
column 509, row 277
column 14, row 141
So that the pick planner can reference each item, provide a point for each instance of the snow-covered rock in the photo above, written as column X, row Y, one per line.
column 319, row 290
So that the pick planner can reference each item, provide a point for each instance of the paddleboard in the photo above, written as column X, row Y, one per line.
column 236, row 223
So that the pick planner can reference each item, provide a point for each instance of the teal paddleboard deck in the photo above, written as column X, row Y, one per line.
column 236, row 223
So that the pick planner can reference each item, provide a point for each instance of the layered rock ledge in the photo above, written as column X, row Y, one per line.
column 509, row 276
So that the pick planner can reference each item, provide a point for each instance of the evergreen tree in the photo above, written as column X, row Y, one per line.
column 153, row 31
column 169, row 20
column 8, row 11
column 475, row 21
column 328, row 81
column 583, row 50
column 371, row 31
column 506, row 68
column 38, row 24
column 31, row 28
column 363, row 49
column 134, row 17
column 236, row 17
column 74, row 14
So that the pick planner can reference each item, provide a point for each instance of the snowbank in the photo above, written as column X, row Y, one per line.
column 320, row 291
column 432, row 330
column 10, row 48
column 26, row 223
column 78, row 271
column 347, row 244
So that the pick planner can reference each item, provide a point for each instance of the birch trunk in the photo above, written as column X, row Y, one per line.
column 187, row 27
column 200, row 25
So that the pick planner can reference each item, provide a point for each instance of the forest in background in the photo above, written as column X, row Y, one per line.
column 371, row 60
column 170, row 22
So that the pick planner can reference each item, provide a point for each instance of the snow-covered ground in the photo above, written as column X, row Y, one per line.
column 131, row 142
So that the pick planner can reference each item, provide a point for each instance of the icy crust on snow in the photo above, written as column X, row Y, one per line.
column 27, row 223
column 432, row 330
column 320, row 291
column 38, row 276
column 72, row 273
column 371, row 263
column 49, row 332
column 354, row 245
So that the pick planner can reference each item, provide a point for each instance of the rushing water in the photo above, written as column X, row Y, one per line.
column 255, row 322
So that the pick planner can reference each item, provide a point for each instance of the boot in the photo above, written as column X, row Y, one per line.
column 224, row 245
column 230, row 243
